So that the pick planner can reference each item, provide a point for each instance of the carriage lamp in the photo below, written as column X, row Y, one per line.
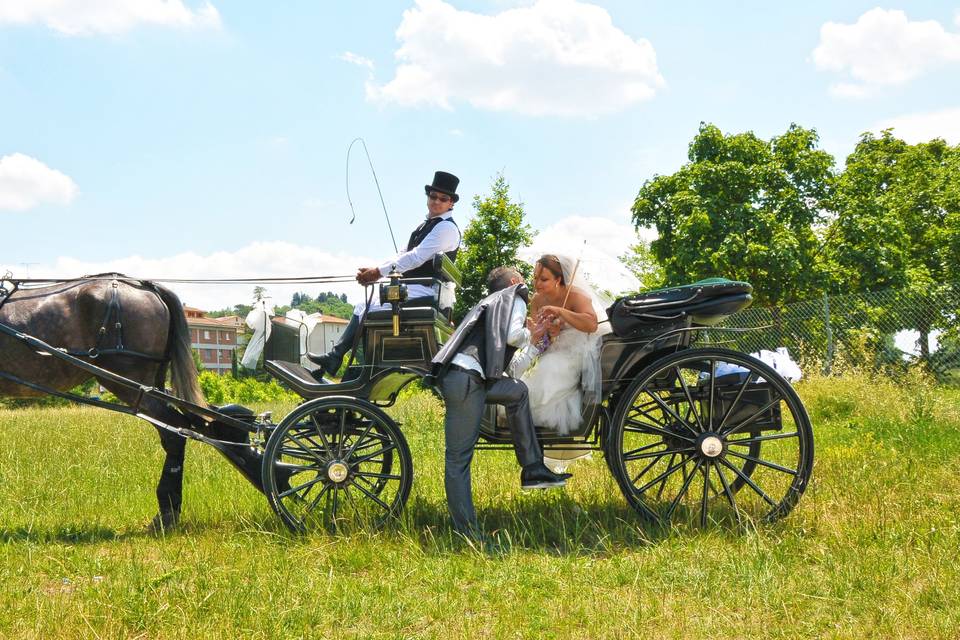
column 394, row 293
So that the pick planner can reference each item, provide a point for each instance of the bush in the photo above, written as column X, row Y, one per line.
column 226, row 389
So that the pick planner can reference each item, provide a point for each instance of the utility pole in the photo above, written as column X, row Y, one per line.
column 27, row 265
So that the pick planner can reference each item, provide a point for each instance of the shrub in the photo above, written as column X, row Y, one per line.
column 226, row 389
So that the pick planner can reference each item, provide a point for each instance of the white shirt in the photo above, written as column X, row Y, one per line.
column 517, row 336
column 441, row 239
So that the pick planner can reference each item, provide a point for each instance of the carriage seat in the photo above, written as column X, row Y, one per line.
column 298, row 378
column 447, row 272
column 705, row 303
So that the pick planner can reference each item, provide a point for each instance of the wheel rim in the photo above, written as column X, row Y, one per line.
column 693, row 444
column 337, row 465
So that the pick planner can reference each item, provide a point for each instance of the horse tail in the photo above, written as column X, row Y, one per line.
column 183, row 371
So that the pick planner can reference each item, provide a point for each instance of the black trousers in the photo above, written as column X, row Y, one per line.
column 465, row 395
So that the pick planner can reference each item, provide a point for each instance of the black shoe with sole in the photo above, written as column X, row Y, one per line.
column 538, row 476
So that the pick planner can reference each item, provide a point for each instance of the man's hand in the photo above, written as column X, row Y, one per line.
column 368, row 275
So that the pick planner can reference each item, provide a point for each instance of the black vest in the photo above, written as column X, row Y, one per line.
column 426, row 269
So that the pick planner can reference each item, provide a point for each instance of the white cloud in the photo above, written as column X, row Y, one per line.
column 86, row 17
column 883, row 48
column 256, row 260
column 606, row 239
column 923, row 127
column 26, row 182
column 556, row 57
column 353, row 58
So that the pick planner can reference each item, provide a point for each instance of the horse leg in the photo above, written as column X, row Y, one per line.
column 170, row 484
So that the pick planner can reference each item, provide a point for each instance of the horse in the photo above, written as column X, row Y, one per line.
column 132, row 328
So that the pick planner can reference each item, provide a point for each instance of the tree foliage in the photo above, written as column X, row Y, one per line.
column 745, row 209
column 897, row 224
column 491, row 240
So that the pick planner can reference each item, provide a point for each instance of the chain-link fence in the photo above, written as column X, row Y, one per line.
column 888, row 330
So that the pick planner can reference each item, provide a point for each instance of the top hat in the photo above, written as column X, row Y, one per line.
column 444, row 182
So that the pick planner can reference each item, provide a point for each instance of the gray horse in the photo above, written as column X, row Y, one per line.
column 130, row 327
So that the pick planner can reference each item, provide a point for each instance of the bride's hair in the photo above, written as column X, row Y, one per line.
column 552, row 264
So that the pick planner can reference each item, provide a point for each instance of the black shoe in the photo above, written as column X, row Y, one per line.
column 329, row 362
column 538, row 476
column 332, row 360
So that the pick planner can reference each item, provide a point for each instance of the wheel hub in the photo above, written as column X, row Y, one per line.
column 710, row 445
column 337, row 471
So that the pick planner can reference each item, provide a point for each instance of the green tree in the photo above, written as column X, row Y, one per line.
column 641, row 262
column 491, row 240
column 743, row 208
column 898, row 223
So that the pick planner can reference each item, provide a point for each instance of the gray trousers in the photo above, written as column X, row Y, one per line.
column 465, row 395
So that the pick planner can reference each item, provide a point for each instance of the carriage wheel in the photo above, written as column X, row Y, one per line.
column 337, row 463
column 710, row 435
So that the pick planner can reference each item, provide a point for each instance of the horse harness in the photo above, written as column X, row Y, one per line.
column 112, row 319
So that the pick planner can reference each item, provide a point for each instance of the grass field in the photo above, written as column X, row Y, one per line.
column 871, row 550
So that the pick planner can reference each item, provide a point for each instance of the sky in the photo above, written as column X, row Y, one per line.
column 198, row 139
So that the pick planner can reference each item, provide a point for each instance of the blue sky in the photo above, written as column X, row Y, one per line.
column 186, row 138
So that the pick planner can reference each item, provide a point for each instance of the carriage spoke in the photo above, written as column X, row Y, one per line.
column 380, row 502
column 296, row 468
column 336, row 504
column 297, row 455
column 641, row 411
column 671, row 412
column 310, row 451
column 305, row 485
column 774, row 436
column 382, row 476
column 703, row 498
column 749, row 482
column 771, row 465
column 736, row 401
column 316, row 501
column 728, row 492
column 664, row 475
column 343, row 427
column 683, row 489
column 753, row 418
column 686, row 392
column 643, row 448
column 639, row 427
column 713, row 379
column 663, row 483
column 360, row 439
column 641, row 456
column 353, row 503
column 374, row 454
column 319, row 429
column 650, row 465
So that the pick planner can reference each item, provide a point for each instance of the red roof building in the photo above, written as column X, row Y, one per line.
column 215, row 339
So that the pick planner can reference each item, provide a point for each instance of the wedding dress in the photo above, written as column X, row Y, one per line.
column 567, row 374
column 554, row 382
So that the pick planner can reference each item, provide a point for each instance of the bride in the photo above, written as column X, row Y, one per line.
column 563, row 327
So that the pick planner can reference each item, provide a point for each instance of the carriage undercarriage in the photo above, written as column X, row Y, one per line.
column 704, row 436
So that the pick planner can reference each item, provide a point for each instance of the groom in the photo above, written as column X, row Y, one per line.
column 469, row 370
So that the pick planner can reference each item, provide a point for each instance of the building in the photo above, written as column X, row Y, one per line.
column 326, row 332
column 215, row 339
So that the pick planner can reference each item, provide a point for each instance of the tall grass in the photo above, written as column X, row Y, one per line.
column 870, row 551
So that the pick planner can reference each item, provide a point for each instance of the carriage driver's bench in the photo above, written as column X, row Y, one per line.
column 398, row 344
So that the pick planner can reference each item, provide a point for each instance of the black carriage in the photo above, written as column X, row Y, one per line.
column 698, row 434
